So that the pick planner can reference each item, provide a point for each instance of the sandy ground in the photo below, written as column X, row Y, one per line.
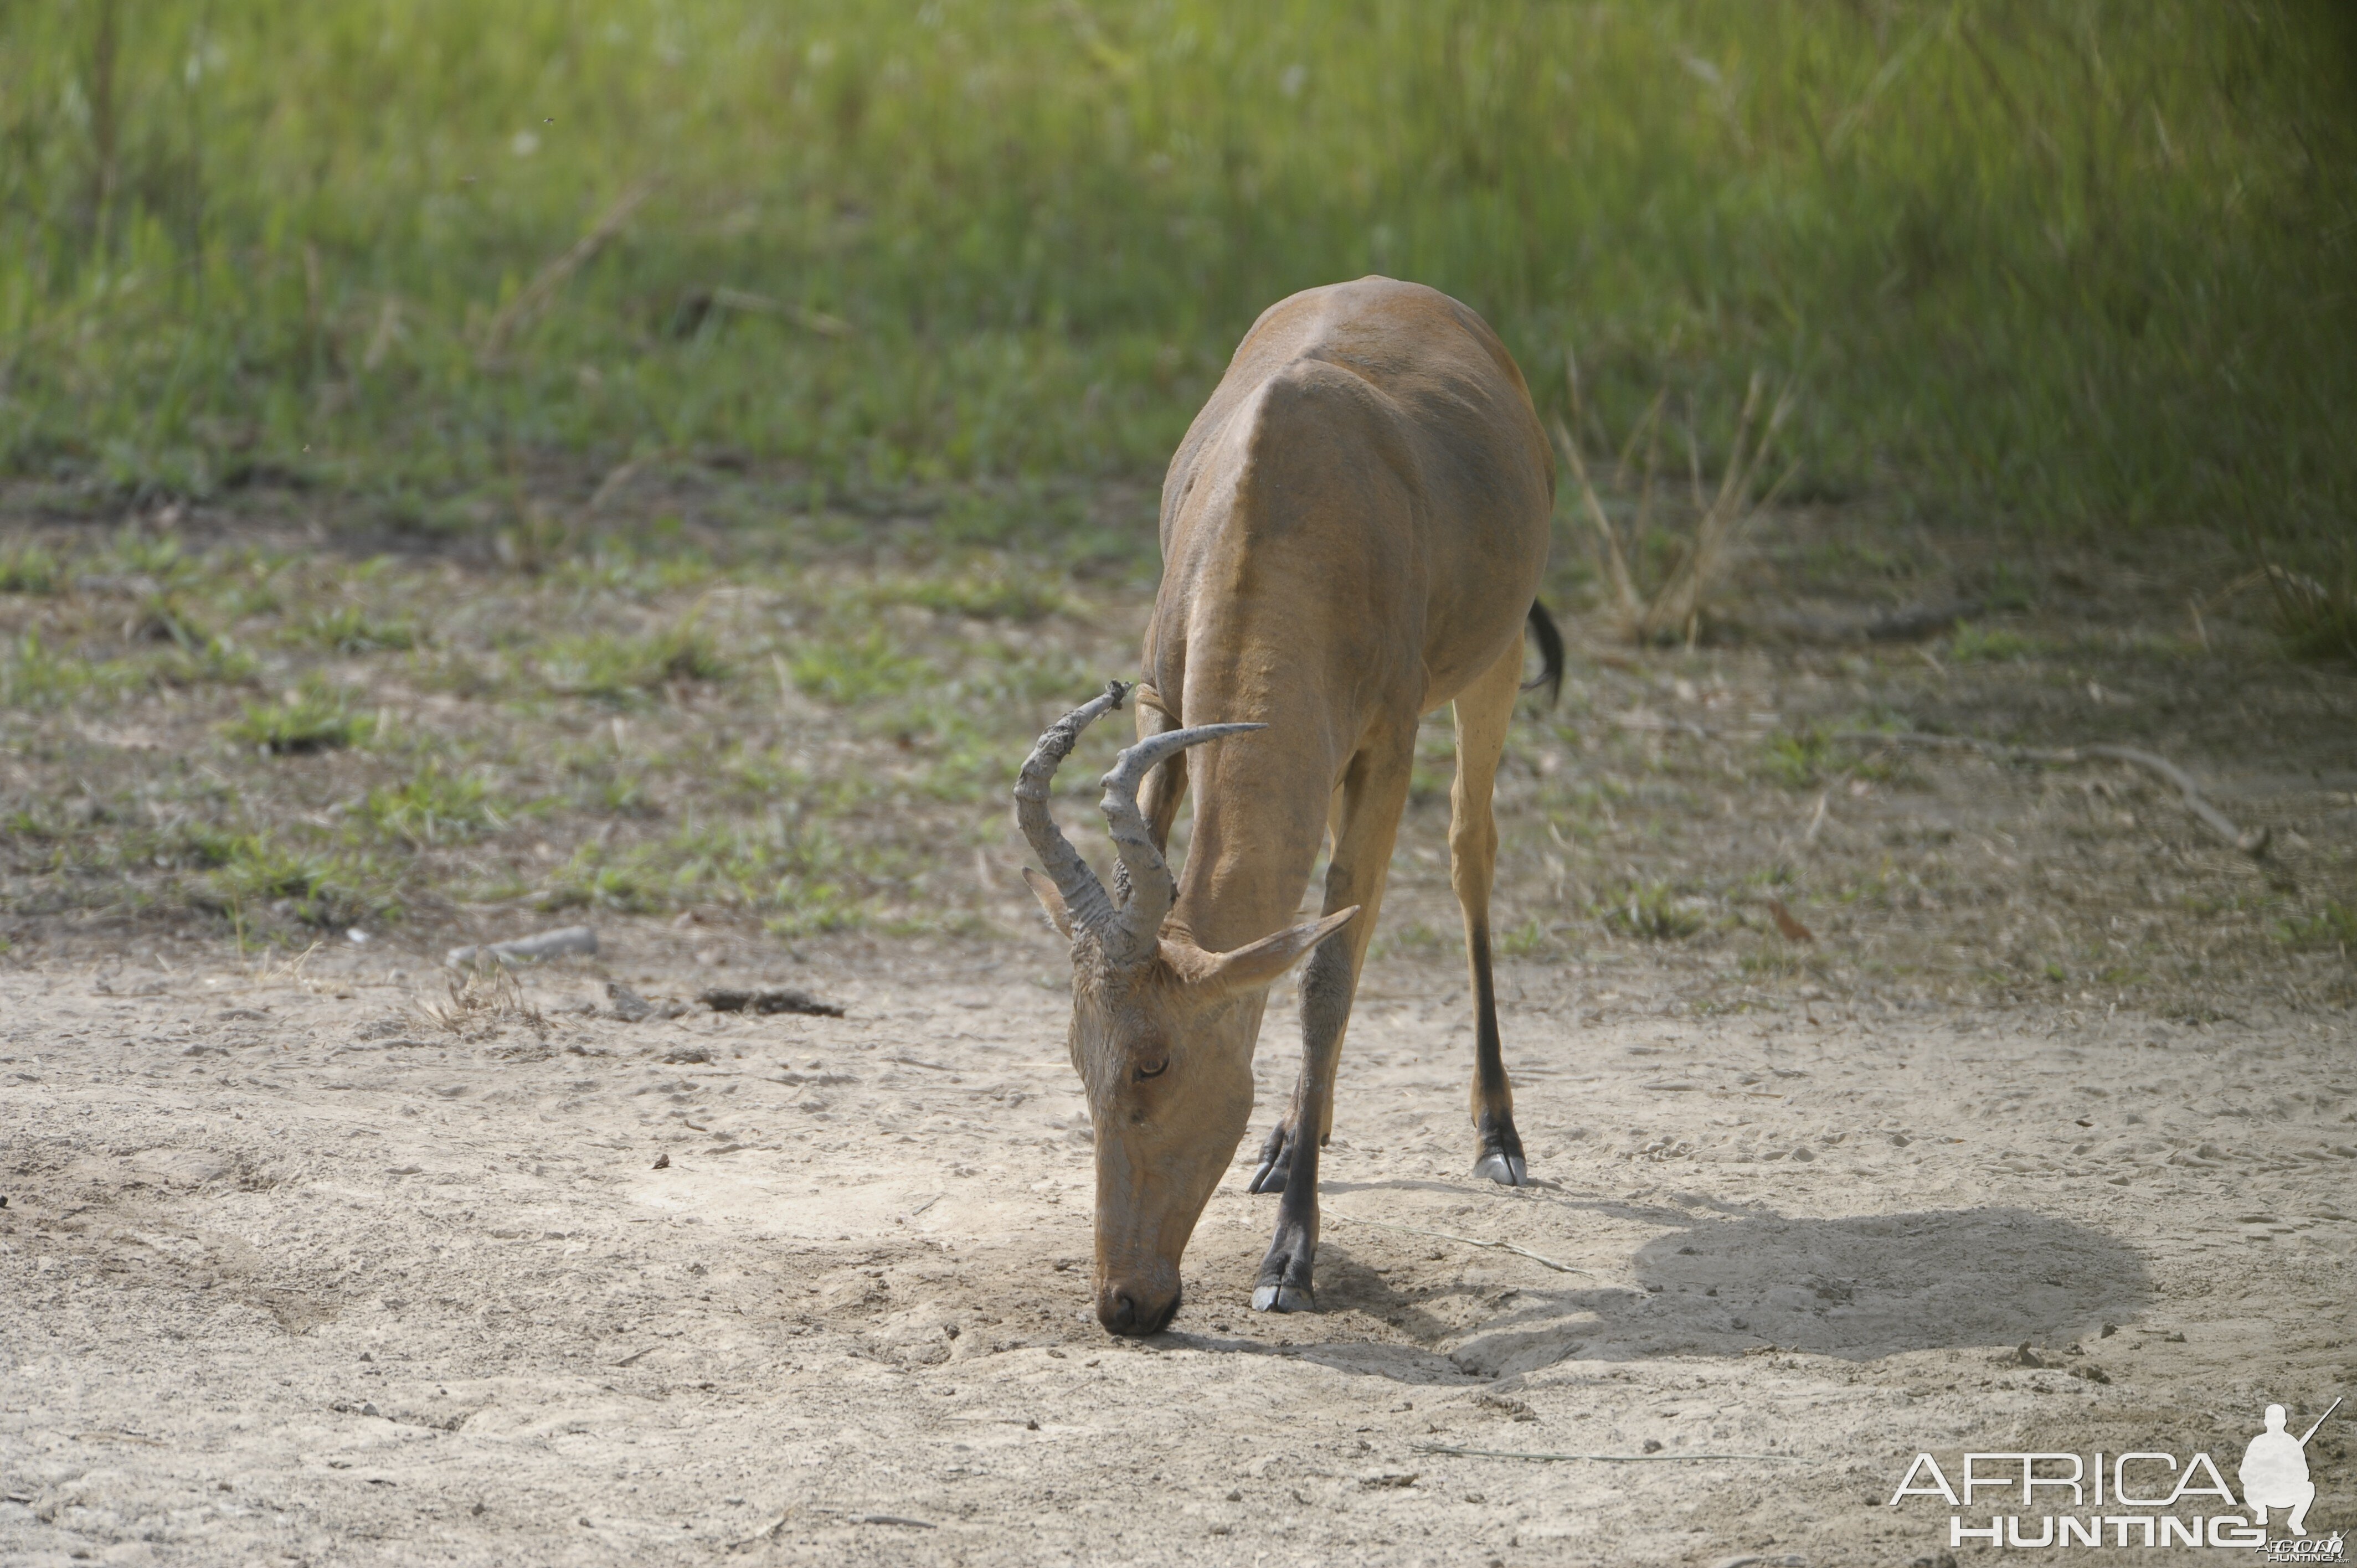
column 289, row 1273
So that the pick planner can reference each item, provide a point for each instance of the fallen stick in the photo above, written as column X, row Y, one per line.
column 1467, row 1241
column 546, row 944
column 2252, row 843
column 1665, row 1457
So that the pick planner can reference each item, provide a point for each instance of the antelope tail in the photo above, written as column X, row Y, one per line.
column 1550, row 642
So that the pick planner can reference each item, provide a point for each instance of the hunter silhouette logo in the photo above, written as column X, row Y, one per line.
column 2144, row 1497
column 2274, row 1472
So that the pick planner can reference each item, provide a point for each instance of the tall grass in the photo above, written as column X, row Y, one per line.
column 2087, row 261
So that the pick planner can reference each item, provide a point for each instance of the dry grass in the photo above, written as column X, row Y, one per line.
column 1669, row 604
column 483, row 997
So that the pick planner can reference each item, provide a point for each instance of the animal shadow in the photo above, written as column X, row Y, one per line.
column 1860, row 1288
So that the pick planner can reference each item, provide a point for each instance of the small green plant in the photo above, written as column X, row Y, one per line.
column 1975, row 644
column 153, row 555
column 351, row 630
column 1654, row 911
column 254, row 870
column 852, row 673
column 621, row 670
column 2333, row 926
column 432, row 808
column 32, row 675
column 2010, row 588
column 986, row 594
column 29, row 569
column 817, row 909
column 585, row 883
column 314, row 719
column 617, row 794
column 216, row 661
column 1795, row 760
column 166, row 617
column 1777, row 963
column 1529, row 940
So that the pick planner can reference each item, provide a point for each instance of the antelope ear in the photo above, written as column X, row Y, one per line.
column 1256, row 964
column 1049, row 900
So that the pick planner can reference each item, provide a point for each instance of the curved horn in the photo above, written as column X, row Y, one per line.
column 1152, row 890
column 1085, row 895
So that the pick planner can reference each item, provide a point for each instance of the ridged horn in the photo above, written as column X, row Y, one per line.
column 1084, row 897
column 1151, row 887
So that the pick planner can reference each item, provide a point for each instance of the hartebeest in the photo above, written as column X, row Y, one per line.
column 1352, row 534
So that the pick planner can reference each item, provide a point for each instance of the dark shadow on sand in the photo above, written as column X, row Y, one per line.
column 1732, row 1283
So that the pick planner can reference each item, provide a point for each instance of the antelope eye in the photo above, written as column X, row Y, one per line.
column 1154, row 1069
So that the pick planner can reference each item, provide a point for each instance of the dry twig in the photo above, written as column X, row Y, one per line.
column 536, row 293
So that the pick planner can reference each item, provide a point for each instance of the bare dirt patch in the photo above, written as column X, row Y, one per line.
column 296, row 1276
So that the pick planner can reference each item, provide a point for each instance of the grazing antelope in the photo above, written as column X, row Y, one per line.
column 1352, row 534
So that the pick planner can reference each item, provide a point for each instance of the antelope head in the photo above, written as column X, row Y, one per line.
column 1162, row 1031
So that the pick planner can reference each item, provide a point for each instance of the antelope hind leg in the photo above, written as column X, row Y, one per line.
column 1483, row 712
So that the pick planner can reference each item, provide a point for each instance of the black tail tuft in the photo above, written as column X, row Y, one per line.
column 1550, row 643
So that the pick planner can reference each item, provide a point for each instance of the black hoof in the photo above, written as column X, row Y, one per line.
column 1506, row 1170
column 1285, row 1274
column 1276, row 1161
column 1500, row 1158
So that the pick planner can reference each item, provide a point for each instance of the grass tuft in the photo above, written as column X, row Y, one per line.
column 623, row 670
column 857, row 672
column 1654, row 911
column 351, row 630
column 432, row 808
column 29, row 569
column 256, row 869
column 2333, row 925
column 311, row 720
column 1973, row 644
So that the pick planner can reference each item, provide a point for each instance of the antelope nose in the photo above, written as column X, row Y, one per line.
column 1125, row 1307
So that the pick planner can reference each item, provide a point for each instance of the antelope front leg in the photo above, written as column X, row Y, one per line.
column 1284, row 1283
column 1374, row 789
column 1483, row 714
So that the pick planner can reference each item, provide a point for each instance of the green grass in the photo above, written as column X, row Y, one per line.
column 2075, row 262
column 34, row 675
column 314, row 719
column 1653, row 910
column 2333, row 925
column 984, row 592
column 855, row 672
column 1973, row 644
column 28, row 569
column 621, row 670
column 254, row 872
column 1804, row 758
column 348, row 628
column 433, row 807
